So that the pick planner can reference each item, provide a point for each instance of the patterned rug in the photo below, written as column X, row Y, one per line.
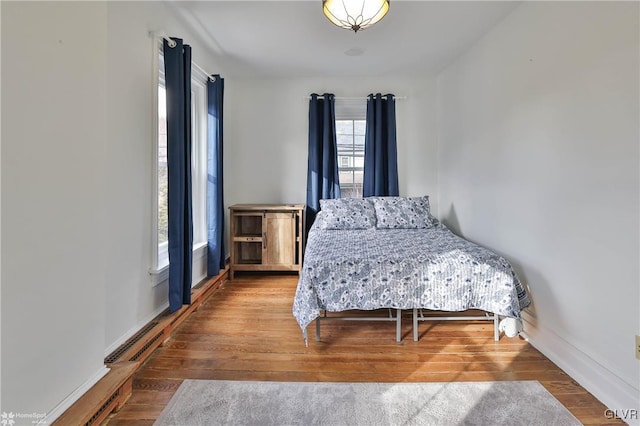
column 213, row 402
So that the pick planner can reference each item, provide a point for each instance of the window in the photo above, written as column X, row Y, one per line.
column 199, row 158
column 351, row 116
column 198, row 169
column 350, row 138
column 161, row 223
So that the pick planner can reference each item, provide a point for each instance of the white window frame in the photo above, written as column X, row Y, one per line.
column 159, row 271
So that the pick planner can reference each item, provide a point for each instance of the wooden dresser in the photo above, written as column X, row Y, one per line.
column 266, row 237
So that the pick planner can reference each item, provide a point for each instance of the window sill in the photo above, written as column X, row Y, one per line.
column 160, row 273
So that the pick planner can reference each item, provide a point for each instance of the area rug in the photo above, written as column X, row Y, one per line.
column 213, row 402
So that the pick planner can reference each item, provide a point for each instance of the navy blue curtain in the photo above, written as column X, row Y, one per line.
column 177, row 70
column 215, row 205
column 380, row 151
column 322, row 172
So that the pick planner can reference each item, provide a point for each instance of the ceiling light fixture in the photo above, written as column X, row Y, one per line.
column 355, row 15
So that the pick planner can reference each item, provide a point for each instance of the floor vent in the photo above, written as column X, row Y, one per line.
column 108, row 395
column 146, row 346
column 115, row 355
column 104, row 407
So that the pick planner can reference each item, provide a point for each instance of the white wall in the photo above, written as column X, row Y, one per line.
column 77, row 191
column 538, row 140
column 267, row 128
column 53, row 211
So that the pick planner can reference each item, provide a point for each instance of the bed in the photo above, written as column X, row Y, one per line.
column 390, row 252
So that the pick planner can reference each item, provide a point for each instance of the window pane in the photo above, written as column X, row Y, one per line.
column 199, row 161
column 163, row 224
column 344, row 141
column 350, row 139
column 344, row 127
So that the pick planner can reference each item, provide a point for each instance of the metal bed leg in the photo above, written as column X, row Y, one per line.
column 415, row 324
column 391, row 318
column 496, row 330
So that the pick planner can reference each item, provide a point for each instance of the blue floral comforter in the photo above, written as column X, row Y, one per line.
column 428, row 268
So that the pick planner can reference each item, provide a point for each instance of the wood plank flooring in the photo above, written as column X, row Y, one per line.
column 246, row 331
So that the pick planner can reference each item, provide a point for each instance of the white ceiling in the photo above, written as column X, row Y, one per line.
column 294, row 39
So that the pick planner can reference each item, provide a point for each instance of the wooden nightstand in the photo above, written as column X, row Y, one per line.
column 266, row 237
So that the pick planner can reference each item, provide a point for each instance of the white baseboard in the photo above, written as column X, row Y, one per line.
column 612, row 390
column 74, row 396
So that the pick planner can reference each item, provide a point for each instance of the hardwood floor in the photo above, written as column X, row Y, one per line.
column 246, row 331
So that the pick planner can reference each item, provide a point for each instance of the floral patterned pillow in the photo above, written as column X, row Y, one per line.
column 402, row 212
column 347, row 213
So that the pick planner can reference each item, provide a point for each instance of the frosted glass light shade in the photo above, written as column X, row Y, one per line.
column 355, row 14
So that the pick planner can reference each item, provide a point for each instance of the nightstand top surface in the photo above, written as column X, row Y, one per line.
column 266, row 207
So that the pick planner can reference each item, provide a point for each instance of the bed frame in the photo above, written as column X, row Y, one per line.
column 418, row 316
column 397, row 319
column 486, row 317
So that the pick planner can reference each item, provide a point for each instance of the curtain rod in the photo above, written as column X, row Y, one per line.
column 354, row 98
column 163, row 35
column 199, row 68
column 172, row 44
